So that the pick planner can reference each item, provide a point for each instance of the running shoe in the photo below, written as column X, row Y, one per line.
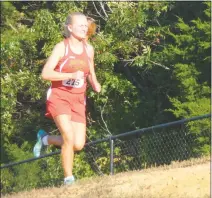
column 69, row 181
column 39, row 144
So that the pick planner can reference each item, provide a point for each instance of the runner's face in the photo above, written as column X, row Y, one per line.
column 79, row 26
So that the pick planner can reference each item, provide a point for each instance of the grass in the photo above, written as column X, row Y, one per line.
column 187, row 179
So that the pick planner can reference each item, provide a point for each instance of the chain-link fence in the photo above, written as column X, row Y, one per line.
column 136, row 150
column 153, row 146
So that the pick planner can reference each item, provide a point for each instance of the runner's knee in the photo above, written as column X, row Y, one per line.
column 68, row 141
column 79, row 145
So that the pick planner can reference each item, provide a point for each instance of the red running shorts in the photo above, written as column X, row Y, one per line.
column 63, row 102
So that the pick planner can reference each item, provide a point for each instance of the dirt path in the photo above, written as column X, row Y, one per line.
column 167, row 182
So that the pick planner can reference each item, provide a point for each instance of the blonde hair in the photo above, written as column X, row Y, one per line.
column 91, row 27
column 69, row 20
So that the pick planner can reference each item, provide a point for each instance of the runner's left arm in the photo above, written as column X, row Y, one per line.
column 92, row 76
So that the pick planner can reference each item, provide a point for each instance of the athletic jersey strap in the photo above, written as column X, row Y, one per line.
column 87, row 52
column 66, row 43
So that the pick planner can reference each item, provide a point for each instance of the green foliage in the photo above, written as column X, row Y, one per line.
column 191, row 55
column 15, row 178
column 152, row 60
column 82, row 168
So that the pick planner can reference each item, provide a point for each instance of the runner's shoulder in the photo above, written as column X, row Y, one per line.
column 60, row 48
column 90, row 47
column 60, row 45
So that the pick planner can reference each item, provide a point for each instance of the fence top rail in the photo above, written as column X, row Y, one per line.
column 161, row 126
column 112, row 137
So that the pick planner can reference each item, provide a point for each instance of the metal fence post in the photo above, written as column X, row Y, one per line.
column 111, row 156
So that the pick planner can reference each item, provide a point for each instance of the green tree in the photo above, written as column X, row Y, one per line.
column 152, row 59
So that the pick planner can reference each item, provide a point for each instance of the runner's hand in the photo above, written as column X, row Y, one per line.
column 97, row 87
column 77, row 75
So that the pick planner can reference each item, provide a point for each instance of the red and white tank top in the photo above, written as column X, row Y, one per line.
column 70, row 63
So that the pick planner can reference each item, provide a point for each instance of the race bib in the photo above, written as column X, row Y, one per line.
column 75, row 83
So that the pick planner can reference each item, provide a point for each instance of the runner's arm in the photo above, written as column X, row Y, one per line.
column 92, row 76
column 48, row 72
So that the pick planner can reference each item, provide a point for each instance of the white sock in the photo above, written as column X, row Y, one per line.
column 68, row 178
column 45, row 140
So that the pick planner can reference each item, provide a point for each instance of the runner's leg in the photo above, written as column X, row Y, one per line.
column 67, row 153
column 79, row 130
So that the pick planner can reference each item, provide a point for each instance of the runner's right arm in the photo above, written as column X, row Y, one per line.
column 48, row 72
